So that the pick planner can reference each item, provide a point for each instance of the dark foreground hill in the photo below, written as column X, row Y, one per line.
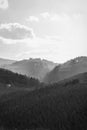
column 10, row 79
column 60, row 106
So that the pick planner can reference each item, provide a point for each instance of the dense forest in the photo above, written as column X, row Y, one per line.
column 14, row 79
column 59, row 106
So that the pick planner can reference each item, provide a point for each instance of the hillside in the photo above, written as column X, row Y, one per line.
column 67, row 70
column 60, row 106
column 6, row 61
column 36, row 68
column 10, row 79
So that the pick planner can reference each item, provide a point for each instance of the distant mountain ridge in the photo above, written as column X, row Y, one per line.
column 46, row 71
column 36, row 68
column 6, row 61
column 67, row 70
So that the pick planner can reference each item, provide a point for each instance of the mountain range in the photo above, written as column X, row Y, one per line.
column 46, row 71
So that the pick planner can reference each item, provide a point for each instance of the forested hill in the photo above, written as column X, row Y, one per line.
column 17, row 80
column 60, row 106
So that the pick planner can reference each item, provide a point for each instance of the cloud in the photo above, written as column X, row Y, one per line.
column 33, row 47
column 33, row 19
column 11, row 41
column 45, row 15
column 55, row 17
column 3, row 4
column 15, row 31
column 60, row 17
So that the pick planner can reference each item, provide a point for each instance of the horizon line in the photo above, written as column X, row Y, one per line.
column 4, row 58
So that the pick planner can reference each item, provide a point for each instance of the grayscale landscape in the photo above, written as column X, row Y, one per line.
column 43, row 65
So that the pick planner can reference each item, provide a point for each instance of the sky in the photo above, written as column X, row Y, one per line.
column 55, row 30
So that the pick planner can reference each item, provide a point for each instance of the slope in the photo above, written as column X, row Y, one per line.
column 60, row 106
column 67, row 70
column 36, row 68
column 6, row 61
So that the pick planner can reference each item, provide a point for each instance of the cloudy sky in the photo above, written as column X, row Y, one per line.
column 51, row 29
